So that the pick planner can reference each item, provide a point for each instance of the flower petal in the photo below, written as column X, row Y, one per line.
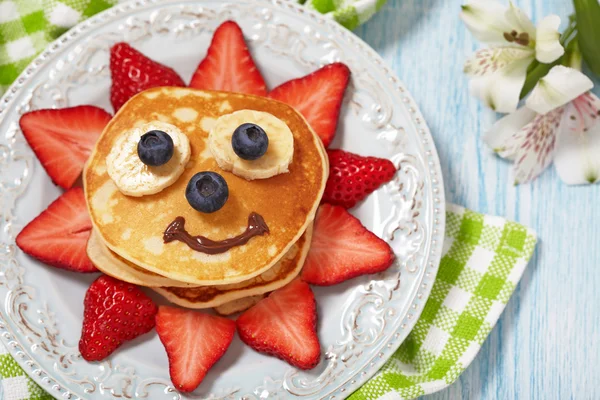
column 519, row 21
column 547, row 46
column 557, row 88
column 506, row 135
column 498, row 75
column 578, row 146
column 486, row 21
column 537, row 149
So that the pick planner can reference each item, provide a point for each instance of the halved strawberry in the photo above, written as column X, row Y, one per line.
column 133, row 72
column 113, row 313
column 342, row 248
column 284, row 325
column 63, row 139
column 353, row 177
column 59, row 235
column 228, row 64
column 194, row 342
column 317, row 96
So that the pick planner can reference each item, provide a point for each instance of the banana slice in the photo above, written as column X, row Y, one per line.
column 275, row 161
column 132, row 176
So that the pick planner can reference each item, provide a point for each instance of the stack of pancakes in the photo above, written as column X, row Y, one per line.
column 127, row 240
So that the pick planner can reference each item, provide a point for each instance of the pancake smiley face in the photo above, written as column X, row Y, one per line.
column 225, row 204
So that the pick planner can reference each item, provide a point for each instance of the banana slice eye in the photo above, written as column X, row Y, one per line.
column 278, row 144
column 133, row 176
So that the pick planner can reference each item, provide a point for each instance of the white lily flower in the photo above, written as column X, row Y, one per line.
column 568, row 134
column 498, row 73
column 560, row 86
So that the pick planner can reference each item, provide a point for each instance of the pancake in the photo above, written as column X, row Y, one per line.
column 133, row 227
column 280, row 275
column 117, row 267
column 236, row 306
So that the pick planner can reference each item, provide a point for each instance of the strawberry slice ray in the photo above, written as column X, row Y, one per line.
column 317, row 96
column 194, row 342
column 113, row 312
column 284, row 325
column 342, row 248
column 63, row 139
column 133, row 72
column 352, row 177
column 59, row 235
column 228, row 65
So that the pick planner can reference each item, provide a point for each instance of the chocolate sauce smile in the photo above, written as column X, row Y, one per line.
column 176, row 231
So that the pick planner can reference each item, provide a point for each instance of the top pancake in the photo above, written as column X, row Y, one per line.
column 133, row 227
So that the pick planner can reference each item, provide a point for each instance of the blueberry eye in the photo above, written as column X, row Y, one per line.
column 207, row 192
column 155, row 148
column 249, row 141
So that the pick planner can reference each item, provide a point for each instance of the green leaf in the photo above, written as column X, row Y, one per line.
column 587, row 13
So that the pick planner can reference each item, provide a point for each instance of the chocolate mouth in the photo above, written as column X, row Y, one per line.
column 176, row 231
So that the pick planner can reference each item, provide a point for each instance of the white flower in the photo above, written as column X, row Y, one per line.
column 556, row 89
column 498, row 73
column 560, row 122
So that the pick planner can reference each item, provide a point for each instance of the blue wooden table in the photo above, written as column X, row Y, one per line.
column 547, row 343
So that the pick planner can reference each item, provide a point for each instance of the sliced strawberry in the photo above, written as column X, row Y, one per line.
column 342, row 248
column 59, row 235
column 133, row 72
column 63, row 139
column 228, row 65
column 113, row 313
column 194, row 342
column 353, row 177
column 284, row 325
column 317, row 96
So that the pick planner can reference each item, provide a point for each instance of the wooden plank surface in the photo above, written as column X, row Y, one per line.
column 547, row 342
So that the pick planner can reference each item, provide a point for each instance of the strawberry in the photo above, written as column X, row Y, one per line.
column 284, row 325
column 353, row 177
column 342, row 248
column 194, row 342
column 113, row 313
column 228, row 64
column 63, row 139
column 317, row 96
column 132, row 72
column 59, row 235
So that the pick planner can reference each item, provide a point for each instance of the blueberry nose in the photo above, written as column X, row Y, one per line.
column 207, row 192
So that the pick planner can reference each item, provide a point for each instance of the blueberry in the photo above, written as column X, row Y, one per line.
column 249, row 141
column 207, row 192
column 155, row 148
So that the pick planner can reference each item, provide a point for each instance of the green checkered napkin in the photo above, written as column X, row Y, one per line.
column 28, row 26
column 483, row 260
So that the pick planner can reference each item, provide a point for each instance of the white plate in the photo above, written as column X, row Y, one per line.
column 361, row 322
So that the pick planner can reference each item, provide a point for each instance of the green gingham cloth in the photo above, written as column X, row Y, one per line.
column 484, row 257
